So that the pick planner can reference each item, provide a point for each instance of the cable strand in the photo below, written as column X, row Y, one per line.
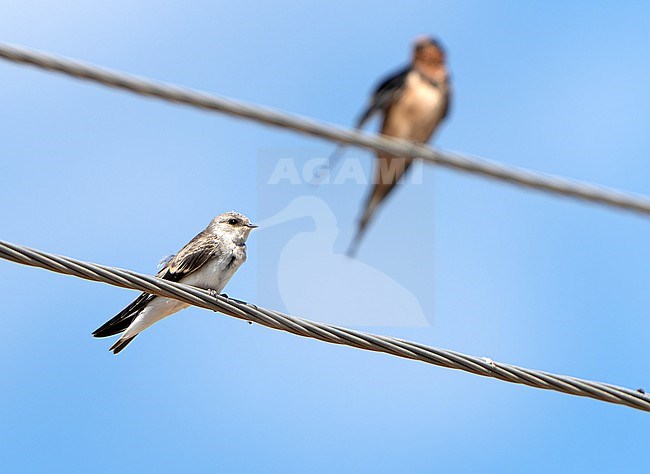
column 180, row 95
column 325, row 332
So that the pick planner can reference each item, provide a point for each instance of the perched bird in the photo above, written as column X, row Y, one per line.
column 208, row 261
column 413, row 102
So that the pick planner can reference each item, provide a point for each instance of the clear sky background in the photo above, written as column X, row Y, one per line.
column 515, row 275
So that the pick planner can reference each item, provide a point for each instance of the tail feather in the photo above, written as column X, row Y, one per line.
column 124, row 318
column 373, row 201
column 114, row 326
column 121, row 344
column 387, row 176
column 354, row 244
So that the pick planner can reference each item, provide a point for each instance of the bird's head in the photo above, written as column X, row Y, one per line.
column 231, row 225
column 428, row 56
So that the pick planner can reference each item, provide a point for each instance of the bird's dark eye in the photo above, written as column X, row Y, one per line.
column 233, row 221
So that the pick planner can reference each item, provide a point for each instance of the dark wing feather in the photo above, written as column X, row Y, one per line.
column 189, row 259
column 447, row 104
column 384, row 95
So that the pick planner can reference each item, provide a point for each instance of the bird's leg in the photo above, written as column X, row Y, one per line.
column 215, row 293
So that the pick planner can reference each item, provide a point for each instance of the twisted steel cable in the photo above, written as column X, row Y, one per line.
column 181, row 95
column 325, row 332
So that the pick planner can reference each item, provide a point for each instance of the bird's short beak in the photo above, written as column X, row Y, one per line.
column 252, row 226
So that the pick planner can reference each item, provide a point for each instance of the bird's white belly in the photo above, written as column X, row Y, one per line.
column 418, row 111
column 158, row 309
column 213, row 275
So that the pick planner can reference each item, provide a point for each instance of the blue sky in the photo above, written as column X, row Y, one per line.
column 518, row 276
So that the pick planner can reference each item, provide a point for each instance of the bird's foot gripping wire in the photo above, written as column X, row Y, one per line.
column 215, row 293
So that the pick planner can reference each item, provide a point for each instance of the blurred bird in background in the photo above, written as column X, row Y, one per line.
column 412, row 102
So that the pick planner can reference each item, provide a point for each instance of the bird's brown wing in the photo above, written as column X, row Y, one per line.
column 191, row 257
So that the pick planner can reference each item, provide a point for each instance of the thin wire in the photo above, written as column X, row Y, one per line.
column 181, row 95
column 325, row 332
